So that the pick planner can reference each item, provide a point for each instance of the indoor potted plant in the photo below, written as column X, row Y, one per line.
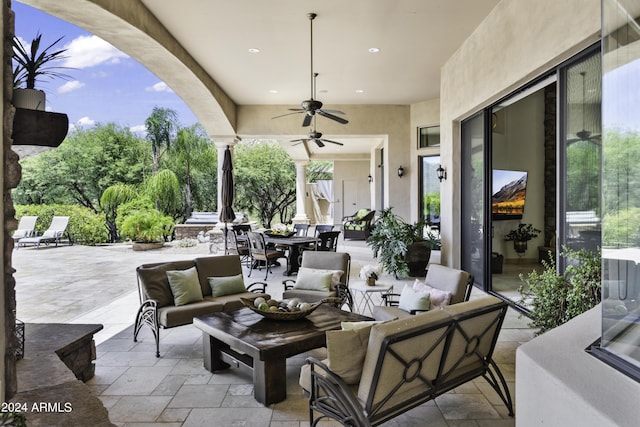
column 521, row 235
column 33, row 64
column 404, row 249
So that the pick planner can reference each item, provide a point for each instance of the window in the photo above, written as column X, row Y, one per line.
column 430, row 190
column 429, row 136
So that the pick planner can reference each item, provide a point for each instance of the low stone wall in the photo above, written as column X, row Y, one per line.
column 190, row 231
column 57, row 359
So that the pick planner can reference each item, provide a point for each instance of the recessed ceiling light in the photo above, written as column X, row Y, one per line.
column 374, row 50
column 254, row 50
column 273, row 91
column 359, row 91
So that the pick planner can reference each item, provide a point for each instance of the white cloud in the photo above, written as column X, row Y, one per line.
column 70, row 86
column 86, row 121
column 89, row 51
column 159, row 87
column 139, row 129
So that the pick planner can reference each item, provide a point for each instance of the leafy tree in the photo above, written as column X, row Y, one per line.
column 84, row 165
column 194, row 162
column 113, row 197
column 163, row 189
column 265, row 181
column 161, row 127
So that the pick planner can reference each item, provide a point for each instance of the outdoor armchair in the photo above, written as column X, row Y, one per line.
column 442, row 286
column 321, row 275
column 359, row 225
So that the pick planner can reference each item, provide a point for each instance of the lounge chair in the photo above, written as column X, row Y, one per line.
column 57, row 229
column 26, row 227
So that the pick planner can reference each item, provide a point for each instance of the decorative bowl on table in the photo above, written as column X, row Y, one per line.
column 282, row 234
column 283, row 311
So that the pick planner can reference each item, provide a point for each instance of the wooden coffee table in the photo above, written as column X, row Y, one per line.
column 246, row 340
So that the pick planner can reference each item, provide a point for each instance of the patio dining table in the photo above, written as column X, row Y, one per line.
column 295, row 245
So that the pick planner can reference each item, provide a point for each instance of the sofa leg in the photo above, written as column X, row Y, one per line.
column 148, row 315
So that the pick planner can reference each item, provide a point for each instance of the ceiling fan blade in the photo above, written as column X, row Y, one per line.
column 333, row 142
column 332, row 117
column 288, row 114
column 318, row 143
column 333, row 111
column 307, row 120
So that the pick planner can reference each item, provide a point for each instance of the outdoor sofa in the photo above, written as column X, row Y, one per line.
column 173, row 293
column 374, row 373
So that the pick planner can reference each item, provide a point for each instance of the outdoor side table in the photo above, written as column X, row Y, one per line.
column 366, row 301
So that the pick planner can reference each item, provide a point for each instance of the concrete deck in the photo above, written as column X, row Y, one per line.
column 79, row 284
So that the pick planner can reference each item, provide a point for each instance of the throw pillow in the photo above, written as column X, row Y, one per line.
column 346, row 351
column 316, row 279
column 185, row 286
column 410, row 299
column 438, row 297
column 347, row 326
column 226, row 285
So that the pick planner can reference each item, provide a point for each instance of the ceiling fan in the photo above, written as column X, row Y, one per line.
column 312, row 106
column 584, row 134
column 315, row 137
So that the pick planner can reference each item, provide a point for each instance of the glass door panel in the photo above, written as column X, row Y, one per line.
column 473, row 171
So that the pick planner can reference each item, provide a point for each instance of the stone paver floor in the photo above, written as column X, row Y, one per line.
column 79, row 284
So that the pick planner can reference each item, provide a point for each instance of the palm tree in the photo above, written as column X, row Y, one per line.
column 161, row 128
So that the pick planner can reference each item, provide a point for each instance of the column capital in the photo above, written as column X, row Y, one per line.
column 223, row 141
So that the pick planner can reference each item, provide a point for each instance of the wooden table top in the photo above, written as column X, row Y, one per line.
column 264, row 338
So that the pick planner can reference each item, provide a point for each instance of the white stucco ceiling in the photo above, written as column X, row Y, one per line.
column 415, row 38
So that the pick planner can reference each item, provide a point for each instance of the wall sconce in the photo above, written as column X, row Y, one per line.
column 400, row 171
column 442, row 173
column 370, row 178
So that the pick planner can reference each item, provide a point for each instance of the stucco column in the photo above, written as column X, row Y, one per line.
column 301, row 189
column 221, row 144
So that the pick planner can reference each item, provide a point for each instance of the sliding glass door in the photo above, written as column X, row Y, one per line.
column 474, row 190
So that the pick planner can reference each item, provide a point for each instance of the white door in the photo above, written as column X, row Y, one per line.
column 349, row 197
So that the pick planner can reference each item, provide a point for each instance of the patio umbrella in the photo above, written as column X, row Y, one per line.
column 226, row 197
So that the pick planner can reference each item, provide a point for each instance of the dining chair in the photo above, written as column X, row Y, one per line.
column 328, row 241
column 301, row 230
column 323, row 228
column 235, row 247
column 260, row 253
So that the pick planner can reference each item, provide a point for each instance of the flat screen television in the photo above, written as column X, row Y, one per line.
column 508, row 194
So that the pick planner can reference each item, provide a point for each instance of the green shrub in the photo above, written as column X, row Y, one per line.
column 129, row 208
column 621, row 228
column 85, row 226
column 147, row 226
column 557, row 298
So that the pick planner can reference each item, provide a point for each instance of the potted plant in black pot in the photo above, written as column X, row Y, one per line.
column 521, row 235
column 404, row 249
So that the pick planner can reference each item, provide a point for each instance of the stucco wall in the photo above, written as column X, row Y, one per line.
column 389, row 123
column 518, row 41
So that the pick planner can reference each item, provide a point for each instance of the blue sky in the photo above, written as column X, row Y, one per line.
column 105, row 85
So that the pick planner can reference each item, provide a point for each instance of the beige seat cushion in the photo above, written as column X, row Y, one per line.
column 171, row 315
column 232, row 302
column 306, row 295
column 383, row 312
